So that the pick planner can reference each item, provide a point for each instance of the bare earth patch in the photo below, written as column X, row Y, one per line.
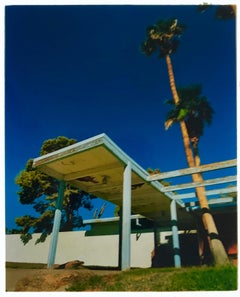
column 38, row 280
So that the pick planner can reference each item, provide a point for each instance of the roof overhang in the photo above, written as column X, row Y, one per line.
column 96, row 166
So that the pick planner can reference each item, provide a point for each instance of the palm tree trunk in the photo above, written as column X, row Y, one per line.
column 217, row 249
column 196, row 156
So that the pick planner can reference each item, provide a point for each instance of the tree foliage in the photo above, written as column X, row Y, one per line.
column 41, row 191
column 222, row 12
column 193, row 108
column 163, row 37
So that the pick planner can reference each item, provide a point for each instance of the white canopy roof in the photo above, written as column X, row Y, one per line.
column 96, row 166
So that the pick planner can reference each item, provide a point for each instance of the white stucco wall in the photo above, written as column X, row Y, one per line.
column 93, row 250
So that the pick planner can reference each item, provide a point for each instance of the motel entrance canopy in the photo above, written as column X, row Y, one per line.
column 99, row 167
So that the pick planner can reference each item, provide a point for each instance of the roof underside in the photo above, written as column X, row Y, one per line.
column 96, row 166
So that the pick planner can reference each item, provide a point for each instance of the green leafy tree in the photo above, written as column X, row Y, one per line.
column 195, row 110
column 163, row 38
column 41, row 191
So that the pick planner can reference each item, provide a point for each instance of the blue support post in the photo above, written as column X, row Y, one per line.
column 126, row 219
column 176, row 247
column 56, row 225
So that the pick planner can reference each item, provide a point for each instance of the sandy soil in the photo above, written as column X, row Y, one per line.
column 38, row 280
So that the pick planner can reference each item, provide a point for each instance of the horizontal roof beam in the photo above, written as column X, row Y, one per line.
column 192, row 170
column 207, row 193
column 208, row 182
column 112, row 219
column 219, row 202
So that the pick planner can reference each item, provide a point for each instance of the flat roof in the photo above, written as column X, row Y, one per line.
column 96, row 166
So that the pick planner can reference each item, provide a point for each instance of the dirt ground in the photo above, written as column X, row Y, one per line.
column 39, row 280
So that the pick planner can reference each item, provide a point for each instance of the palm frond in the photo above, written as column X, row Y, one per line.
column 168, row 123
column 162, row 36
column 193, row 108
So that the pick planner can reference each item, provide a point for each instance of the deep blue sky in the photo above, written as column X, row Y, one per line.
column 77, row 71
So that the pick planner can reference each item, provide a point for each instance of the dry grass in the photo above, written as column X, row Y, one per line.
column 149, row 279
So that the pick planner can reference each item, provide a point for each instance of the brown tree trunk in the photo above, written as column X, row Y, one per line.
column 217, row 249
column 196, row 156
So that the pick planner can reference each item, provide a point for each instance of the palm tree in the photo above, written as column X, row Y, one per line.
column 195, row 110
column 164, row 37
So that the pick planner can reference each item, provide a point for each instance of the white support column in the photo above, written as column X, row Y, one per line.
column 56, row 225
column 176, row 247
column 126, row 219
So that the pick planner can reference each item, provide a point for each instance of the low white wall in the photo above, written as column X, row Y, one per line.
column 93, row 250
